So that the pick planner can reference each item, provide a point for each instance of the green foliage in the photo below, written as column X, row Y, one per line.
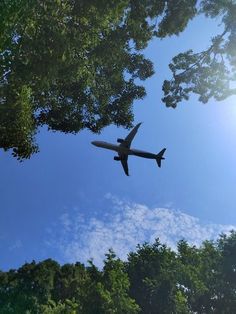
column 226, row 274
column 17, row 125
column 153, row 273
column 155, row 279
column 116, row 283
column 109, row 289
column 211, row 73
column 177, row 15
column 68, row 307
column 72, row 65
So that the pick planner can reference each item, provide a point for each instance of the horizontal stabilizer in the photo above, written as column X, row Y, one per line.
column 159, row 157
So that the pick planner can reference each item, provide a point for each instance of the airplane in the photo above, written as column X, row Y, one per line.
column 124, row 150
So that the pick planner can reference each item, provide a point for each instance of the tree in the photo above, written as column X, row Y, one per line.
column 116, row 281
column 196, row 269
column 72, row 65
column 153, row 272
column 155, row 279
column 225, row 285
column 210, row 73
column 109, row 289
column 70, row 283
column 28, row 288
column 68, row 307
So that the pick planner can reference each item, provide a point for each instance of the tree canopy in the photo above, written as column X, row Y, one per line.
column 71, row 65
column 155, row 279
column 210, row 73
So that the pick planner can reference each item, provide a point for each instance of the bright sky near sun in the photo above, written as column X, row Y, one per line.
column 72, row 201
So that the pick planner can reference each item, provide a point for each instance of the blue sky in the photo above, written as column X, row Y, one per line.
column 72, row 201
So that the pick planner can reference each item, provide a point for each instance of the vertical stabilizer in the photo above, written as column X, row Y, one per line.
column 159, row 157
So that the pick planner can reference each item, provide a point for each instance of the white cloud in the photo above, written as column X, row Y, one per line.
column 16, row 245
column 126, row 225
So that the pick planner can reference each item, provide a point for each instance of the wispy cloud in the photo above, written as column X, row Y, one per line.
column 123, row 227
column 16, row 245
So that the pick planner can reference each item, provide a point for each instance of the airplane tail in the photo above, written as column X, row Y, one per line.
column 159, row 157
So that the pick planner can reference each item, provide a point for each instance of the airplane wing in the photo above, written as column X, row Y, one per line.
column 124, row 162
column 129, row 138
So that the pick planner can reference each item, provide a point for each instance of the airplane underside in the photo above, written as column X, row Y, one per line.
column 123, row 150
column 143, row 154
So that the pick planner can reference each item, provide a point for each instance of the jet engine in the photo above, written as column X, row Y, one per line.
column 120, row 140
column 116, row 158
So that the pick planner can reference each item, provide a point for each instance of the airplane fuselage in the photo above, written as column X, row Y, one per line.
column 124, row 150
